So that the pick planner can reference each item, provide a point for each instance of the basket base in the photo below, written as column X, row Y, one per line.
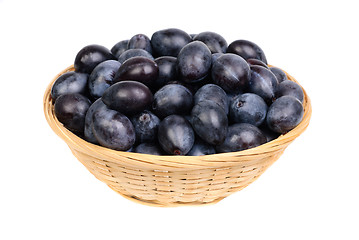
column 161, row 204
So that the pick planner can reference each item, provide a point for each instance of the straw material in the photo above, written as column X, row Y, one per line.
column 169, row 181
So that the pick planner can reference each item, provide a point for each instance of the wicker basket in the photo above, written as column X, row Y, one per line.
column 174, row 180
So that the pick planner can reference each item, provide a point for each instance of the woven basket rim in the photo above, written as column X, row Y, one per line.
column 167, row 161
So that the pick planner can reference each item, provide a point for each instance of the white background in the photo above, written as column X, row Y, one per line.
column 311, row 192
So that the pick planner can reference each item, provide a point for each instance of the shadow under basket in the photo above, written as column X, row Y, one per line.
column 169, row 181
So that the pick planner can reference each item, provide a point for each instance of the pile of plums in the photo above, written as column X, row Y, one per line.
column 177, row 94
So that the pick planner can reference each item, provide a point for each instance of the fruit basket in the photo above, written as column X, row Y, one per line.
column 169, row 181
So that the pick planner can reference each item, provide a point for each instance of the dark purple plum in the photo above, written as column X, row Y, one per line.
column 119, row 48
column 140, row 41
column 90, row 56
column 149, row 148
column 290, row 88
column 146, row 126
column 88, row 133
column 167, row 68
column 128, row 97
column 284, row 114
column 231, row 72
column 69, row 82
column 210, row 122
column 101, row 77
column 113, row 129
column 169, row 42
column 194, row 62
column 215, row 42
column 247, row 50
column 172, row 99
column 241, row 136
column 139, row 69
column 130, row 53
column 253, row 61
column 175, row 135
column 214, row 93
column 200, row 148
column 263, row 83
column 70, row 110
column 248, row 108
column 279, row 73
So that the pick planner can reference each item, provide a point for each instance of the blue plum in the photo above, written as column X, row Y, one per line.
column 284, row 114
column 241, row 136
column 248, row 108
column 119, row 48
column 149, row 148
column 102, row 77
column 69, row 82
column 215, row 42
column 88, row 133
column 263, row 83
column 169, row 42
column 290, row 88
column 167, row 70
column 194, row 62
column 146, row 126
column 279, row 73
column 215, row 56
column 113, row 129
column 175, row 135
column 270, row 135
column 214, row 93
column 209, row 121
column 172, row 99
column 140, row 41
column 200, row 148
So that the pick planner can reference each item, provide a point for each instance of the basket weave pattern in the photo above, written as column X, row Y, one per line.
column 174, row 180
